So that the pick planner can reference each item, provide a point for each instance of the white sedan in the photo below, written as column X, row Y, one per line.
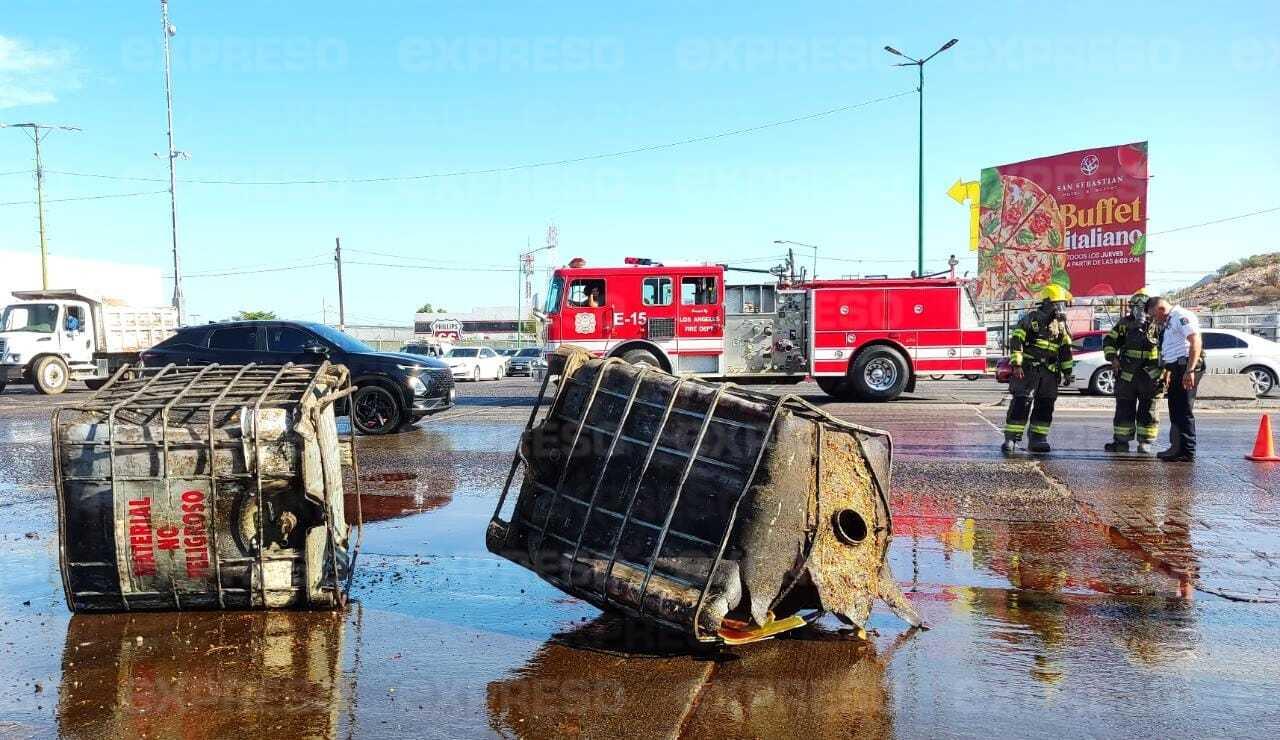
column 476, row 363
column 1225, row 350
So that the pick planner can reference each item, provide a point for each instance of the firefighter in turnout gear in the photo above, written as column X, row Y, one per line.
column 1040, row 354
column 1133, row 349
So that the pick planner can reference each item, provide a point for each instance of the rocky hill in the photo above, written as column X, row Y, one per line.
column 1253, row 281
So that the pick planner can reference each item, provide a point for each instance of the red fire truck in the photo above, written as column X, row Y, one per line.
column 864, row 339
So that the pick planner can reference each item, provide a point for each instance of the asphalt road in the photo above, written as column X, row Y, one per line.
column 1072, row 595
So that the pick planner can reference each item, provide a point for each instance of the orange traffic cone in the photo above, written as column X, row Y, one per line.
column 1264, row 449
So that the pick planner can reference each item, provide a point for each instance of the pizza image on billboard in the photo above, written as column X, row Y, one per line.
column 1077, row 220
column 1021, row 239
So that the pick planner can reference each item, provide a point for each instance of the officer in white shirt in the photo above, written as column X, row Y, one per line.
column 1183, row 360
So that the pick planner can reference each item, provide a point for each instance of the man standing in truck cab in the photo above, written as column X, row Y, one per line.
column 1133, row 349
column 1040, row 354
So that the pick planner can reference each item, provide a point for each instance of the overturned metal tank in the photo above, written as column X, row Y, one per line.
column 725, row 514
column 215, row 487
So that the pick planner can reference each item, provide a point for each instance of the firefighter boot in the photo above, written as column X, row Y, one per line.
column 1118, row 445
column 1008, row 447
column 1144, row 448
column 1038, row 443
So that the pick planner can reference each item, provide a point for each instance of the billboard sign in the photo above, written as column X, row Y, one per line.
column 1077, row 219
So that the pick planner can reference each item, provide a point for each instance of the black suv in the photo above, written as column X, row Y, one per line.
column 392, row 389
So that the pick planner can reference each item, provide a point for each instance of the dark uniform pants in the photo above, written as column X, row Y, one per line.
column 1034, row 396
column 1182, row 419
column 1134, row 416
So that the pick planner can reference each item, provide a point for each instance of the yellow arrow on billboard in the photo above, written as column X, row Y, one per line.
column 970, row 191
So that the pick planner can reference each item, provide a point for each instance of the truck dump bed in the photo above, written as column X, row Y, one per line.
column 702, row 507
column 134, row 328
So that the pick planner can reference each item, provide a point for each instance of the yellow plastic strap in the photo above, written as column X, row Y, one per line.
column 733, row 636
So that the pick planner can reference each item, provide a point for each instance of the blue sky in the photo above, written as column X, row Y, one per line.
column 321, row 90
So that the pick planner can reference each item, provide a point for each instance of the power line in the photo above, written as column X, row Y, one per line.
column 263, row 266
column 85, row 197
column 16, row 172
column 437, row 268
column 417, row 259
column 1217, row 221
column 251, row 272
column 515, row 167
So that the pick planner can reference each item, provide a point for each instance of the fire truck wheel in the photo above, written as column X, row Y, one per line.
column 837, row 388
column 642, row 357
column 51, row 375
column 879, row 374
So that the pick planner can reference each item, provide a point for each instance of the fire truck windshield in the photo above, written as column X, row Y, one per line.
column 553, row 295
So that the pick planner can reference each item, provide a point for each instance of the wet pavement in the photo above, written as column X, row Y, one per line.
column 1077, row 595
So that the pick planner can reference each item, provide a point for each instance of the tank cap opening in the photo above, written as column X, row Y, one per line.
column 850, row 527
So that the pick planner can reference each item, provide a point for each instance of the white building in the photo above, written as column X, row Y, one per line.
column 486, row 323
column 117, row 282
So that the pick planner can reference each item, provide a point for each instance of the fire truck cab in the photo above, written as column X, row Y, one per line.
column 863, row 339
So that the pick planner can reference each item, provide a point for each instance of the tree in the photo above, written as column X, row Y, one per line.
column 255, row 316
column 426, row 308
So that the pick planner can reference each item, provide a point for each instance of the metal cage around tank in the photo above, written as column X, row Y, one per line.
column 243, row 472
column 652, row 542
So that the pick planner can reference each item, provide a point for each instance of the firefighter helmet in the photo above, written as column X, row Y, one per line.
column 1139, row 298
column 1055, row 293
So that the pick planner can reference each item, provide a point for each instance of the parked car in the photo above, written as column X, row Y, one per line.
column 476, row 363
column 1082, row 343
column 1225, row 350
column 392, row 389
column 524, row 361
column 426, row 349
column 508, row 352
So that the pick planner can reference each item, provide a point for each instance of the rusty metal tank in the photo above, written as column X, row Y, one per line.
column 215, row 487
column 722, row 513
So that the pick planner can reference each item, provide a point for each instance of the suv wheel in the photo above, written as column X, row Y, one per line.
column 374, row 410
column 51, row 375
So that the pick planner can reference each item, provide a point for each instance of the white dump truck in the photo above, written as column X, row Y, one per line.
column 51, row 337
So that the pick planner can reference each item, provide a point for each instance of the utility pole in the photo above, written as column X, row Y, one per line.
column 814, row 247
column 169, row 31
column 519, row 294
column 342, row 306
column 37, row 132
column 525, row 263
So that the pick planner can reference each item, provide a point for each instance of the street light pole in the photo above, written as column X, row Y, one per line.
column 814, row 247
column 173, row 154
column 525, row 269
column 919, row 65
